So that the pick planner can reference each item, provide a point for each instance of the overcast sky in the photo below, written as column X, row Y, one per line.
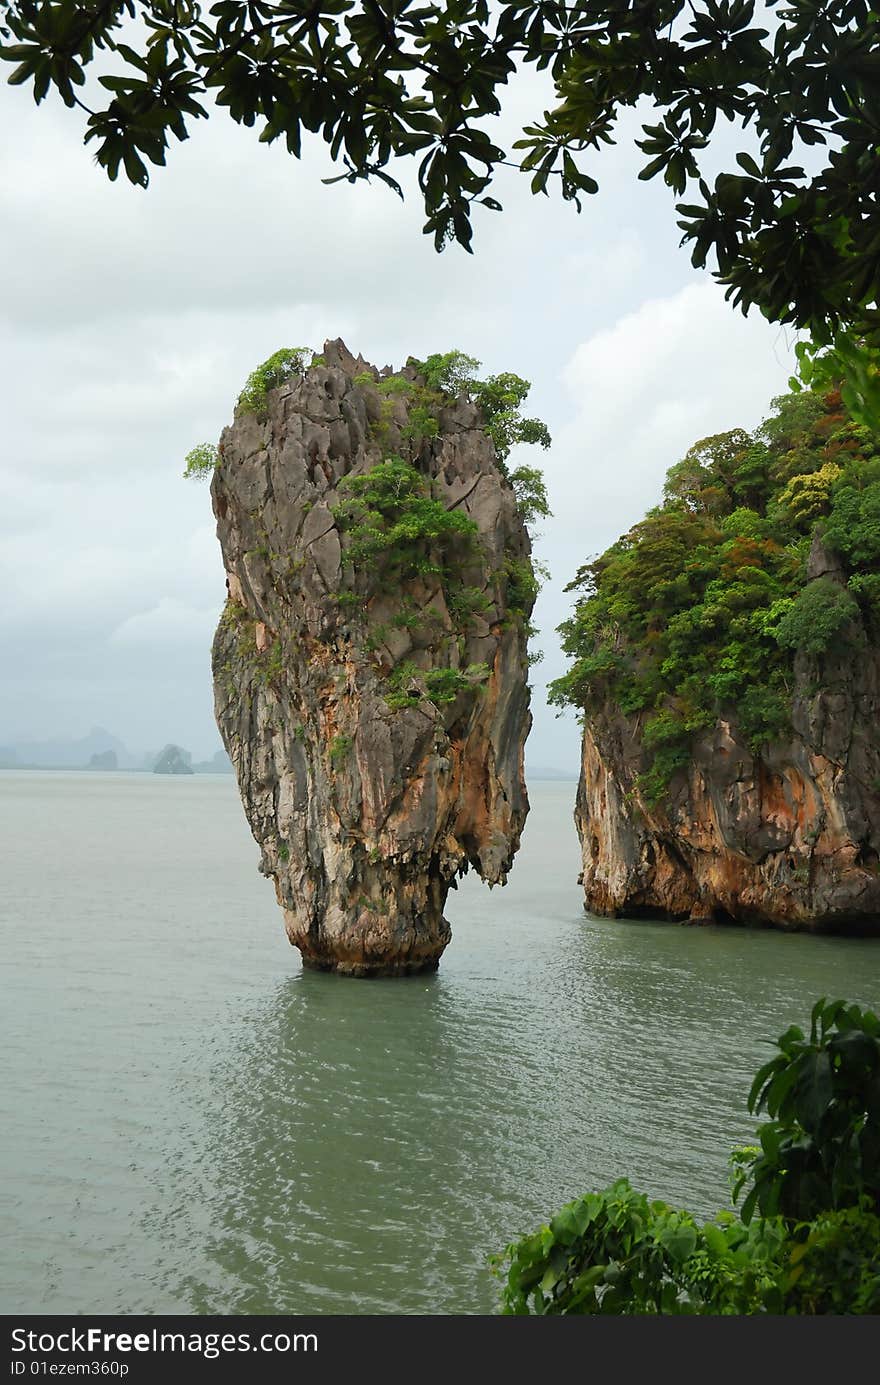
column 129, row 321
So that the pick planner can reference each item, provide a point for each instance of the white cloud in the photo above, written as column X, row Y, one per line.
column 170, row 622
column 644, row 390
column 130, row 320
column 641, row 392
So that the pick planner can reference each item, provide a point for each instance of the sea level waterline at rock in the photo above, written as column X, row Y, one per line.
column 370, row 665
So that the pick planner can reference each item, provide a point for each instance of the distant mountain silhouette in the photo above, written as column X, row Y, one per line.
column 59, row 753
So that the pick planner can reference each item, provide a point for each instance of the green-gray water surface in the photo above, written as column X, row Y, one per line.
column 191, row 1124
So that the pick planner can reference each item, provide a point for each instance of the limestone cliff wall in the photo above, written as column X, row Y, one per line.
column 789, row 838
column 365, row 813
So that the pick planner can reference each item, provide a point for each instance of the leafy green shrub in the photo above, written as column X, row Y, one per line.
column 616, row 1252
column 451, row 373
column 279, row 368
column 866, row 587
column 836, row 1269
column 530, row 490
column 445, row 684
column 349, row 601
column 397, row 531
column 466, row 603
column 666, row 740
column 200, row 461
column 807, row 496
column 275, row 662
column 407, row 684
column 339, row 750
column 814, row 1248
column 500, row 398
column 521, row 585
column 820, row 1150
column 818, row 617
column 422, row 422
column 764, row 716
column 853, row 527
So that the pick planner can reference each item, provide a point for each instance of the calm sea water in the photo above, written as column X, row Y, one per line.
column 191, row 1124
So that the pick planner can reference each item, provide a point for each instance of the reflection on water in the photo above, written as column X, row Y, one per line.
column 195, row 1125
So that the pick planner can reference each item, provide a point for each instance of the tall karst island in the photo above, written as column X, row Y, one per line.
column 370, row 666
column 727, row 664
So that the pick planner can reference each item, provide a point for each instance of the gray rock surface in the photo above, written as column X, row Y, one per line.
column 365, row 814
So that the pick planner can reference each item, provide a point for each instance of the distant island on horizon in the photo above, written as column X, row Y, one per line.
column 101, row 751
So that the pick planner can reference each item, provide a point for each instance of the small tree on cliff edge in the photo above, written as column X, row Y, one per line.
column 384, row 78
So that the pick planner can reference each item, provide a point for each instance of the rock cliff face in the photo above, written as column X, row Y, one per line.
column 790, row 838
column 368, row 783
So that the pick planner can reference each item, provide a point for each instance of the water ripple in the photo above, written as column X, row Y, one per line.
column 195, row 1125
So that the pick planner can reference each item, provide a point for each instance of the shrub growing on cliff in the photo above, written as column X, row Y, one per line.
column 397, row 530
column 818, row 617
column 853, row 527
column 408, row 684
column 281, row 366
column 814, row 1245
column 500, row 397
column 200, row 461
column 339, row 750
column 530, row 490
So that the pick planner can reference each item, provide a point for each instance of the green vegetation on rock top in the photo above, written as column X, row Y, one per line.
column 499, row 397
column 281, row 366
column 701, row 608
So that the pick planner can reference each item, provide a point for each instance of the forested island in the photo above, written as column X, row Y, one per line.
column 725, row 658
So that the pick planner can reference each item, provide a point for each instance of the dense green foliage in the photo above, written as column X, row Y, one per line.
column 384, row 79
column 815, row 1179
column 820, row 1150
column 408, row 684
column 700, row 610
column 280, row 367
column 398, row 530
column 851, row 360
column 200, row 461
column 530, row 490
column 500, row 399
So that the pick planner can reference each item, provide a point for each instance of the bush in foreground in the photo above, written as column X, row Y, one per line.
column 806, row 1238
